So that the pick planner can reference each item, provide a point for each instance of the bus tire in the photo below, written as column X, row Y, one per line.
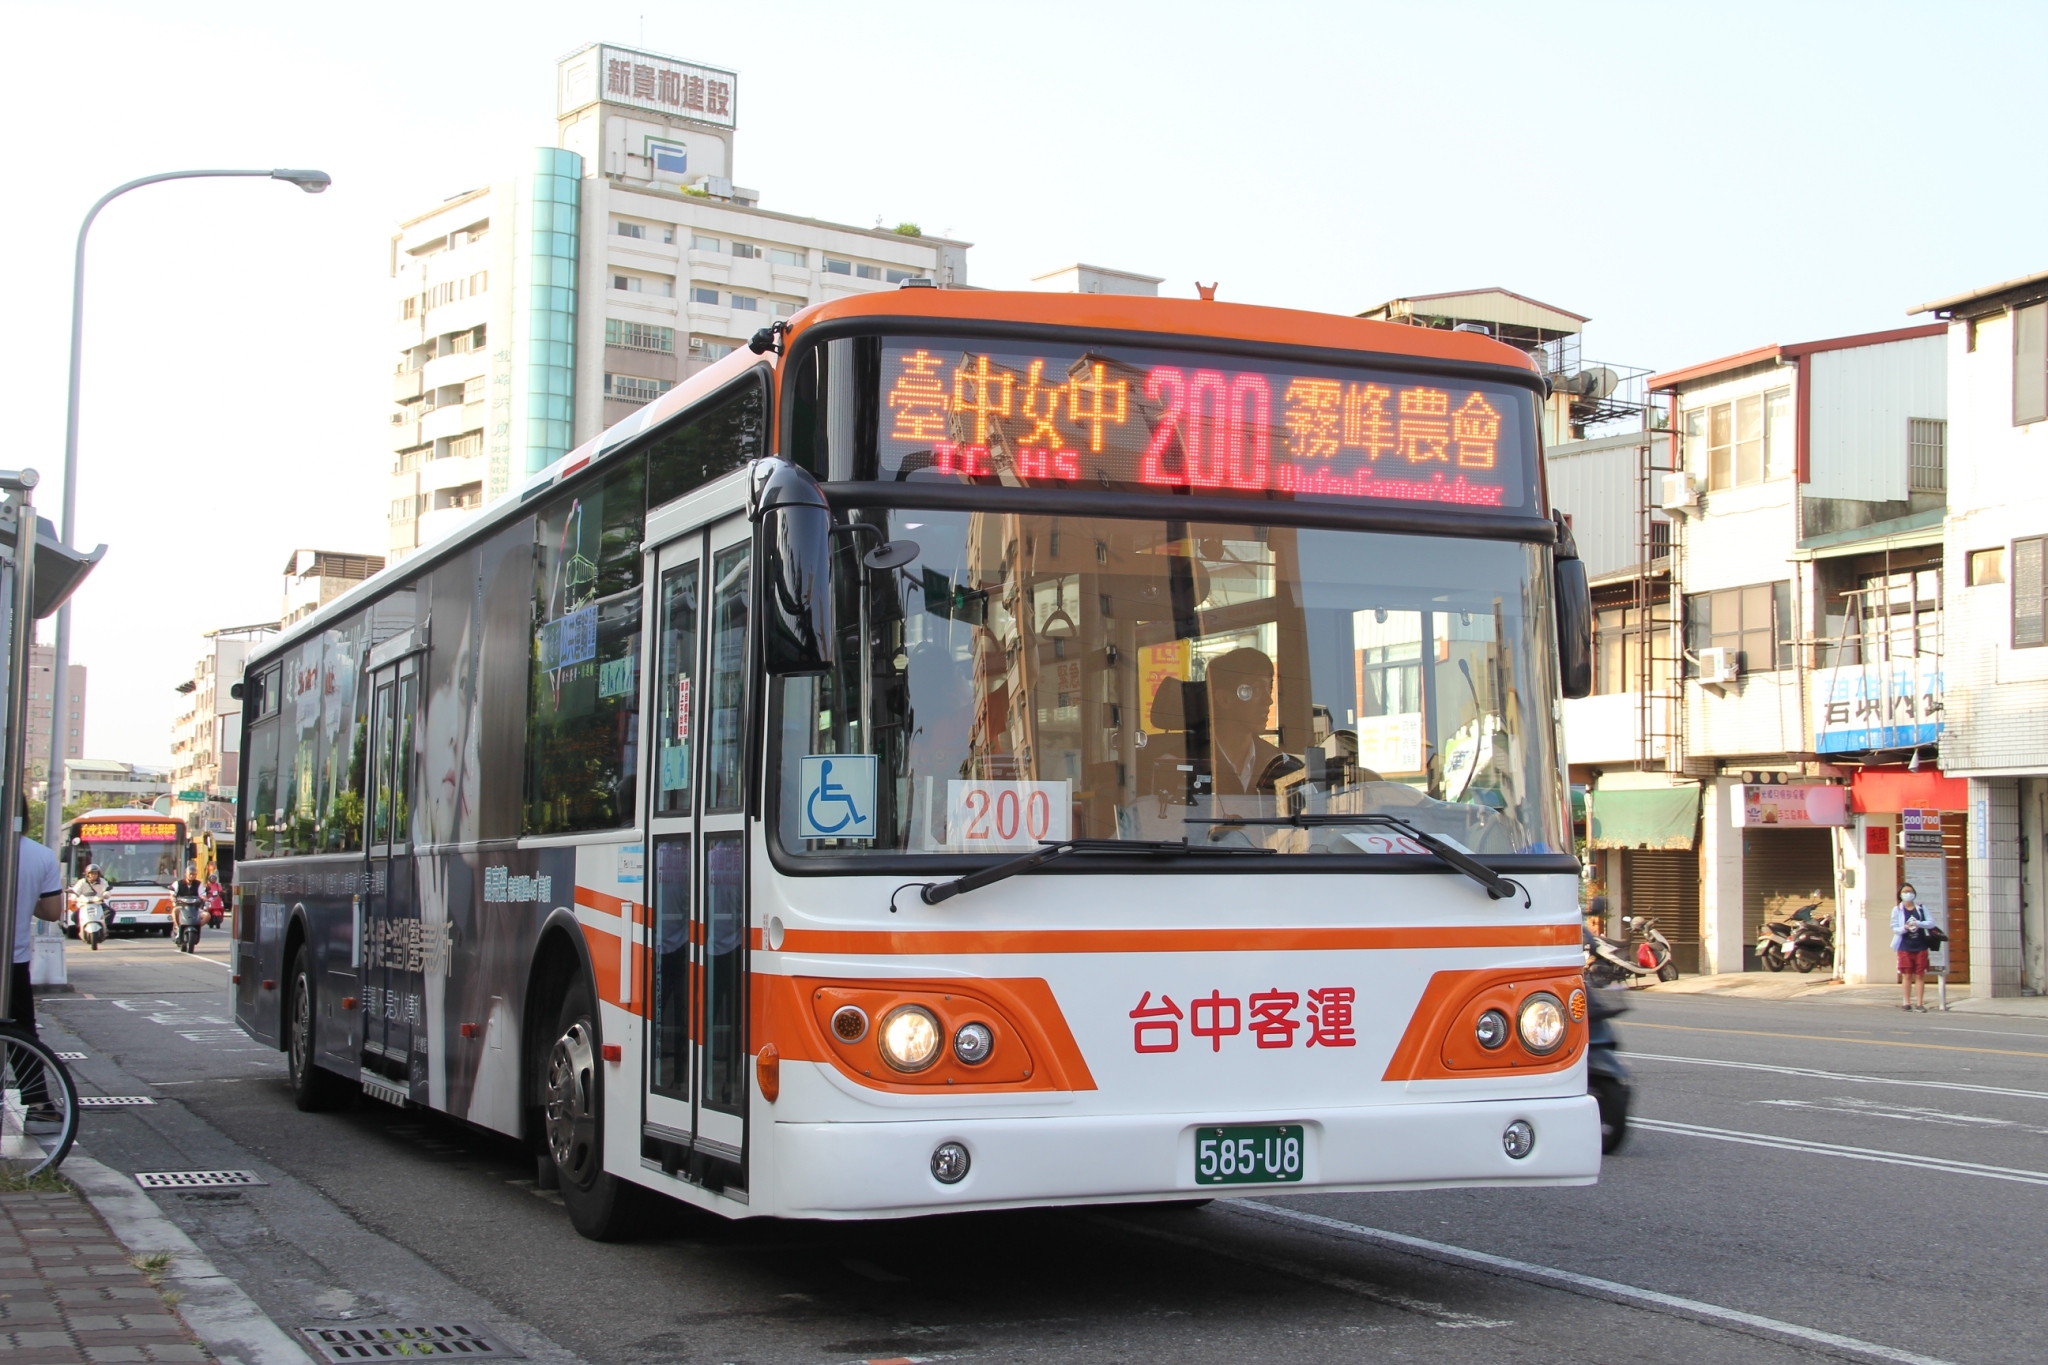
column 601, row 1206
column 313, row 1087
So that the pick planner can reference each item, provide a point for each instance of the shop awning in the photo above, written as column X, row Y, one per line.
column 1887, row 791
column 1659, row 817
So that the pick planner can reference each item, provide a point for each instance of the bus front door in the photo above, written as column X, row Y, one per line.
column 390, row 992
column 696, row 1091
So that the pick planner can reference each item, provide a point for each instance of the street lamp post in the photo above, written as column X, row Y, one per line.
column 312, row 182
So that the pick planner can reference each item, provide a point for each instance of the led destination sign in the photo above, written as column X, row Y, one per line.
column 129, row 831
column 1165, row 422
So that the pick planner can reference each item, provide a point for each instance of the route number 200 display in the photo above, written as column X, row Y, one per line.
column 994, row 816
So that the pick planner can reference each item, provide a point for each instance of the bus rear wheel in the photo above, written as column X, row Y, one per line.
column 602, row 1207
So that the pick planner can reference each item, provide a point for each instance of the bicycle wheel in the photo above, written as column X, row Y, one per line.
column 38, row 1109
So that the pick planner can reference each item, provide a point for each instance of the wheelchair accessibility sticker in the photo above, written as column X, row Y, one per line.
column 837, row 795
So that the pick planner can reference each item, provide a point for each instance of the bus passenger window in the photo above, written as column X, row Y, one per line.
column 583, row 702
column 261, row 815
column 341, row 740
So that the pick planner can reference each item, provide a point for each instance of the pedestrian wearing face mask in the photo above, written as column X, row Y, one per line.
column 1909, row 941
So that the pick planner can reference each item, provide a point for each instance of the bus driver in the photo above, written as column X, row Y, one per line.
column 1243, row 761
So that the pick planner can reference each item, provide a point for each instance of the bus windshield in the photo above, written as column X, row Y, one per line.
column 1032, row 677
column 127, row 862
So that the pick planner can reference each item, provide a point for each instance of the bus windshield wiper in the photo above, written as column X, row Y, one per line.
column 1497, row 887
column 1050, row 850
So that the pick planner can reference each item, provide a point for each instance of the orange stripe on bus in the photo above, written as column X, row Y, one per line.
column 917, row 941
column 606, row 905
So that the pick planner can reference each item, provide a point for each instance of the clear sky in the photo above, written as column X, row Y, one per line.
column 1697, row 179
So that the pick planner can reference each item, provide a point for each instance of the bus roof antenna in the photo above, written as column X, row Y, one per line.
column 1207, row 291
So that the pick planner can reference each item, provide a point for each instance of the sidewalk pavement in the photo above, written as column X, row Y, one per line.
column 1792, row 986
column 69, row 1292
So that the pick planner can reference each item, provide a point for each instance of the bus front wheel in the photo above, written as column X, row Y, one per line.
column 601, row 1206
column 313, row 1087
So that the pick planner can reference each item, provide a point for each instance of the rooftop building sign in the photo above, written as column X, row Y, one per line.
column 645, row 80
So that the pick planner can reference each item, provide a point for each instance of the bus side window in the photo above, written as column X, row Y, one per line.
column 260, row 817
column 716, row 443
column 582, row 731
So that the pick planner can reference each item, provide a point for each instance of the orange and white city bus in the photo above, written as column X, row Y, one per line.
column 141, row 853
column 971, row 750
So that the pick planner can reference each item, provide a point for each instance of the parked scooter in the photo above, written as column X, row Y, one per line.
column 186, row 912
column 1607, row 1078
column 1803, row 940
column 92, row 921
column 1640, row 958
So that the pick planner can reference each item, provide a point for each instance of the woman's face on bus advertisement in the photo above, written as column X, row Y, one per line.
column 448, row 781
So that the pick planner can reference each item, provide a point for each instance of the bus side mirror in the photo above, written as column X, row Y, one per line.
column 1574, row 597
column 793, row 539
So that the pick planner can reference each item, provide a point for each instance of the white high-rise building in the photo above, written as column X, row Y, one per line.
column 536, row 311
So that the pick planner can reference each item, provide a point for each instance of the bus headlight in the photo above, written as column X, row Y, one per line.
column 1541, row 1023
column 1492, row 1030
column 910, row 1038
column 973, row 1043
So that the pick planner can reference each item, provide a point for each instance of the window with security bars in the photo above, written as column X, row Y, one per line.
column 1618, row 637
column 632, row 389
column 1927, row 454
column 639, row 336
column 2029, row 611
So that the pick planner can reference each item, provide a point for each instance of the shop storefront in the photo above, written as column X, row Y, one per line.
column 1645, row 842
column 1788, row 853
column 1905, row 827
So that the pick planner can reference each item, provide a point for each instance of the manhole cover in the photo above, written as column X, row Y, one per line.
column 71, row 1056
column 403, row 1341
column 113, row 1101
column 196, row 1180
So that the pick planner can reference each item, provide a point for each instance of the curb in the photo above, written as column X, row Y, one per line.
column 214, row 1306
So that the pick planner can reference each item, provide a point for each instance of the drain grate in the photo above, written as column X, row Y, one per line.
column 113, row 1101
column 71, row 1056
column 196, row 1180
column 403, row 1341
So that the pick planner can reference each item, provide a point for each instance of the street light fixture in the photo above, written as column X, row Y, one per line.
column 312, row 182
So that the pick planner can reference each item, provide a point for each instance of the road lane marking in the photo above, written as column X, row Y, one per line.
column 1832, row 1038
column 1843, row 1104
column 1994, row 1032
column 1444, row 1317
column 1785, row 1144
column 1609, row 1289
column 1809, row 1073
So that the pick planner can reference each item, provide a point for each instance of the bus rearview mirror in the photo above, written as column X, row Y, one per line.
column 1574, row 628
column 793, row 529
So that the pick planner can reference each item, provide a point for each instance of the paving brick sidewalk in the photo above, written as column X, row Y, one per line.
column 68, row 1292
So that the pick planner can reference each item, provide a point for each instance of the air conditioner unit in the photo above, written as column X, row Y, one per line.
column 1681, row 492
column 1717, row 667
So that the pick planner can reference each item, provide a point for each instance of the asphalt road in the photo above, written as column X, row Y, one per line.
column 1833, row 1171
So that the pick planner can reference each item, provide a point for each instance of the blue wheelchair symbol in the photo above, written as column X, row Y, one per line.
column 838, row 797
